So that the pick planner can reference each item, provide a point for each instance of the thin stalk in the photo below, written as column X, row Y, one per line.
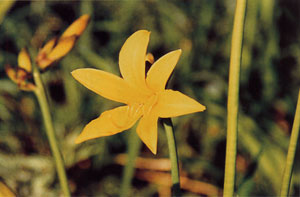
column 42, row 99
column 167, row 122
column 287, row 175
column 134, row 145
column 233, row 97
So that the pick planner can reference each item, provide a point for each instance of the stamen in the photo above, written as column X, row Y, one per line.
column 134, row 110
column 151, row 102
column 131, row 114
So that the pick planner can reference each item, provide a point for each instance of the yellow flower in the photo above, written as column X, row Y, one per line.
column 22, row 73
column 56, row 48
column 145, row 97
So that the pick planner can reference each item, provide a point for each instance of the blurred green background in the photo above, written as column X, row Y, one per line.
column 202, row 29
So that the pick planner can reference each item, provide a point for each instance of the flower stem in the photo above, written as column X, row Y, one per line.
column 167, row 122
column 134, row 146
column 42, row 99
column 233, row 97
column 287, row 175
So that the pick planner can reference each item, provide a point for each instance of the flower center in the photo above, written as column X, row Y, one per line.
column 135, row 111
column 149, row 104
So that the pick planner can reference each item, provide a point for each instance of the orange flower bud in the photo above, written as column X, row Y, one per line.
column 63, row 47
column 27, row 87
column 24, row 60
column 20, row 76
column 49, row 46
column 55, row 49
column 77, row 27
column 11, row 73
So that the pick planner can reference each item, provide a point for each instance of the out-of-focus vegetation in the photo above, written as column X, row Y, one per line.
column 202, row 29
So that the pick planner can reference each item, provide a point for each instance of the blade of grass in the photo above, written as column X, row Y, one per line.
column 59, row 162
column 167, row 122
column 233, row 97
column 134, row 145
column 287, row 175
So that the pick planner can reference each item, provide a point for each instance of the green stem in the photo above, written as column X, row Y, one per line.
column 287, row 175
column 134, row 145
column 233, row 97
column 42, row 99
column 167, row 122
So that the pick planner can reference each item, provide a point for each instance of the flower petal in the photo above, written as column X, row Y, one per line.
column 132, row 58
column 108, row 123
column 107, row 85
column 63, row 47
column 44, row 62
column 24, row 60
column 48, row 46
column 77, row 27
column 11, row 73
column 173, row 103
column 27, row 87
column 147, row 131
column 42, row 58
column 161, row 70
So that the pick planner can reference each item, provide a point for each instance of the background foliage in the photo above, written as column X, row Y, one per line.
column 202, row 29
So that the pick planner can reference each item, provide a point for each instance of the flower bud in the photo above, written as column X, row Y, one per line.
column 24, row 60
column 57, row 48
column 77, row 27
column 20, row 76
